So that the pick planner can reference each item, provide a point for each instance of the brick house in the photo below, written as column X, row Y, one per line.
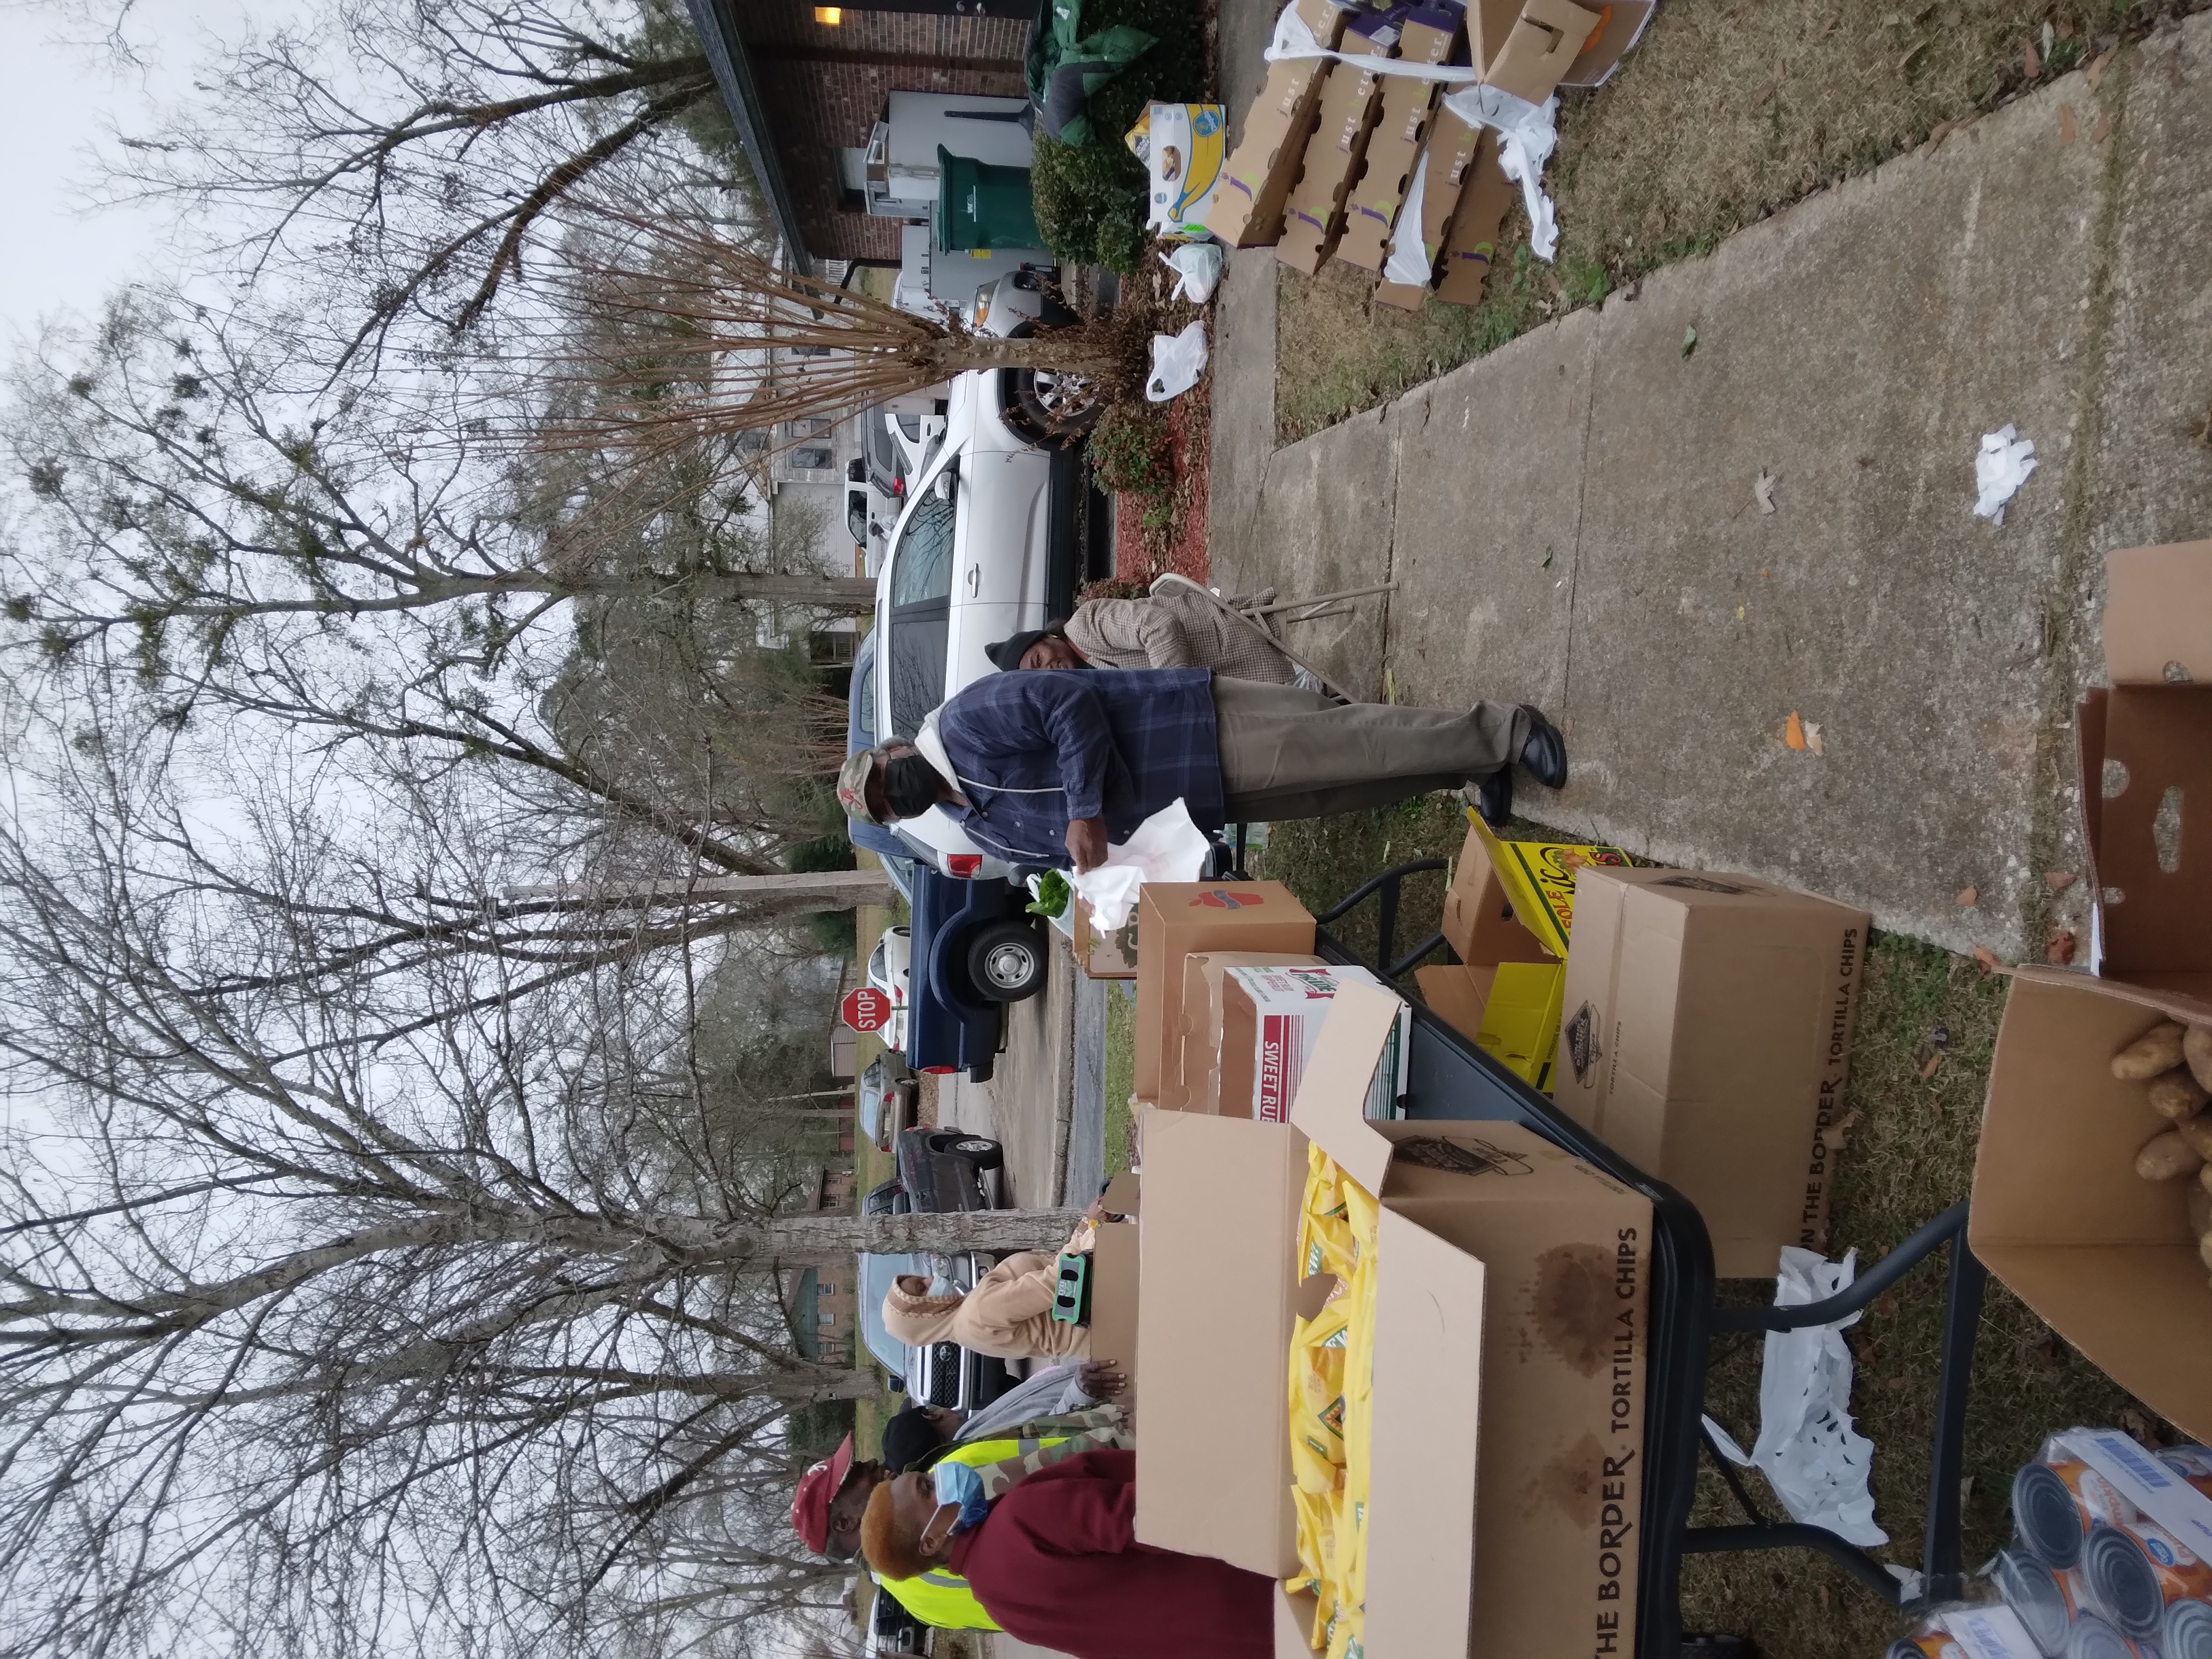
column 806, row 85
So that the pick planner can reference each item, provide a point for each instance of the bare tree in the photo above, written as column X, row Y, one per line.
column 399, row 157
column 420, row 1288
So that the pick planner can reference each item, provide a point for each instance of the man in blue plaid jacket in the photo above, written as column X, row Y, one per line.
column 1047, row 767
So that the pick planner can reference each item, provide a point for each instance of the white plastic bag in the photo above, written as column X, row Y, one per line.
column 1198, row 264
column 1166, row 847
column 2001, row 468
column 1527, row 135
column 1411, row 263
column 1816, row 1461
column 1177, row 361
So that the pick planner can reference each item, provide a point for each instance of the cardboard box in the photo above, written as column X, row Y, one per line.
column 1175, row 918
column 1102, row 956
column 1114, row 1270
column 1471, row 246
column 1478, row 920
column 1706, row 1036
column 1371, row 205
column 1510, row 1356
column 1256, row 179
column 1271, row 1018
column 1526, row 47
column 1194, row 1083
column 1447, row 152
column 1510, row 1010
column 1351, row 103
column 1183, row 157
column 2059, row 1213
column 1622, row 25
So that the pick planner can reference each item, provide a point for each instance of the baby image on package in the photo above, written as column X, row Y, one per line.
column 1182, row 147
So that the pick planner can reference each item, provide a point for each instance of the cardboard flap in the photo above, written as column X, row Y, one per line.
column 2153, row 847
column 2157, row 615
column 1549, row 35
column 1214, row 1325
column 1124, row 1195
column 1427, row 1409
column 1330, row 1109
column 1114, row 1270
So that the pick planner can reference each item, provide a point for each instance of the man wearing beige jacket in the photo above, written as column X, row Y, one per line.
column 1176, row 628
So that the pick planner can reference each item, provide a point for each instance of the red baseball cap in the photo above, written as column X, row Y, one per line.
column 809, row 1504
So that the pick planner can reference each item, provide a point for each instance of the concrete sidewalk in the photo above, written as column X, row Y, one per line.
column 1572, row 521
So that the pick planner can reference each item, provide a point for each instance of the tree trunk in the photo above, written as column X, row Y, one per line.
column 837, row 1238
column 834, row 889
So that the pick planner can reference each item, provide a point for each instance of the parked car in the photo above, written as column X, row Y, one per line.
column 886, row 1103
column 1050, row 407
column 946, row 1169
column 889, row 971
column 918, row 437
column 893, row 1630
column 987, row 545
column 976, row 950
column 898, row 855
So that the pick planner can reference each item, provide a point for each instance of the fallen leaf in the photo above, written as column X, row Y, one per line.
column 2031, row 62
column 1547, row 558
column 2069, row 128
column 2050, row 36
column 1897, row 1385
column 2045, row 1351
column 2058, row 880
column 2058, row 952
column 1689, row 339
column 1928, row 1066
column 1905, row 61
column 1739, row 613
column 1886, row 1304
column 1390, row 687
column 1758, row 99
column 1793, row 732
column 1943, row 129
column 1969, row 897
column 1813, row 740
column 2103, row 127
column 1987, row 958
column 2094, row 74
column 2138, row 1425
column 1762, row 490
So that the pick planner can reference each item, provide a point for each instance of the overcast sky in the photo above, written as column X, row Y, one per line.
column 59, row 256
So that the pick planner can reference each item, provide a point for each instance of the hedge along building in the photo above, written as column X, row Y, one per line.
column 809, row 86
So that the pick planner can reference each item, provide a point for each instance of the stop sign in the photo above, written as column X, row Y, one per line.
column 866, row 1009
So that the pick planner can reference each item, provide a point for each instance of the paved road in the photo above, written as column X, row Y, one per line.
column 1571, row 520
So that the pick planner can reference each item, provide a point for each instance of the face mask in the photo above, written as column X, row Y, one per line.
column 958, row 1483
column 941, row 1286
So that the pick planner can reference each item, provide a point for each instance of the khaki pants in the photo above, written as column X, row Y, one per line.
column 1291, row 754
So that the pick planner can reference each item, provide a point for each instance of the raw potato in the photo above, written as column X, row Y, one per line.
column 2157, row 1049
column 2196, row 1050
column 2177, row 1094
column 2198, row 1131
column 2167, row 1157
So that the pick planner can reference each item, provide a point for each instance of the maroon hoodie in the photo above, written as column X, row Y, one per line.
column 1056, row 1562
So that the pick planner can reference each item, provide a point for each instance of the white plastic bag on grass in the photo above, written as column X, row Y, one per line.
column 1198, row 266
column 1527, row 135
column 1177, row 361
column 1816, row 1461
column 1167, row 846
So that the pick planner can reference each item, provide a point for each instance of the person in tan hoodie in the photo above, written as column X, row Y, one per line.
column 1008, row 1315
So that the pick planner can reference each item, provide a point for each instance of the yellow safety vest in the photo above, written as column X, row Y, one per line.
column 940, row 1596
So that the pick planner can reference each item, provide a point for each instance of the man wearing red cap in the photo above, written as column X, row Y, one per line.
column 832, row 1496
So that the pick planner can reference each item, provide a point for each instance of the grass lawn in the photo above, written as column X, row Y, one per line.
column 1908, row 1156
column 1728, row 112
column 1120, row 1072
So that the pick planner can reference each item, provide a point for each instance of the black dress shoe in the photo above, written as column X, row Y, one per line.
column 1493, row 798
column 1545, row 754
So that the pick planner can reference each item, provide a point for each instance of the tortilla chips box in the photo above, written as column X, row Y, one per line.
column 1511, row 1347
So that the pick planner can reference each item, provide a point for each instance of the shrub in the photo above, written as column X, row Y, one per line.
column 1090, row 198
column 1129, row 450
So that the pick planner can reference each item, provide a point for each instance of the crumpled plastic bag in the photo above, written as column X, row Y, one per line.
column 1177, row 361
column 1412, row 260
column 1166, row 847
column 1198, row 264
column 1527, row 135
column 1816, row 1461
column 2001, row 468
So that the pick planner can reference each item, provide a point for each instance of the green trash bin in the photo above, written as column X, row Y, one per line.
column 982, row 206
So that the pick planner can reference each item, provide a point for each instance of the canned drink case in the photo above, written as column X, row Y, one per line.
column 2093, row 1639
column 2043, row 1601
column 2055, row 1504
column 2192, row 1463
column 1936, row 1645
column 2187, row 1632
column 2135, row 1572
